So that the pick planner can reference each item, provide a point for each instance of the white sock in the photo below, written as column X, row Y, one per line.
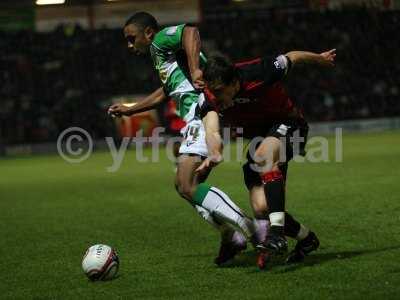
column 228, row 233
column 205, row 214
column 223, row 208
column 277, row 218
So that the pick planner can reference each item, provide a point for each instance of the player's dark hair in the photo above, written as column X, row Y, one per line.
column 220, row 68
column 142, row 20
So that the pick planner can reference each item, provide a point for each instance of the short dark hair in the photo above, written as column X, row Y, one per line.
column 220, row 68
column 143, row 19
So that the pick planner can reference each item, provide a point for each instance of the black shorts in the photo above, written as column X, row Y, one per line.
column 284, row 131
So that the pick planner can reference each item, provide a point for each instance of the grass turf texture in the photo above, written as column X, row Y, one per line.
column 52, row 211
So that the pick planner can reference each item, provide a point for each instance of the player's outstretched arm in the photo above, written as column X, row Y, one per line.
column 303, row 57
column 191, row 44
column 213, row 140
column 150, row 102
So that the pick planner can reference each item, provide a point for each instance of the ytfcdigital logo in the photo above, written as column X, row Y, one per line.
column 75, row 145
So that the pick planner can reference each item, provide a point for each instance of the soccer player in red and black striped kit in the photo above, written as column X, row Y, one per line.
column 250, row 95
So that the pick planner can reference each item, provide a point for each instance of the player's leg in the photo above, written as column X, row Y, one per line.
column 232, row 241
column 267, row 160
column 187, row 182
column 227, row 233
column 258, row 202
column 184, row 184
column 191, row 186
column 215, row 201
column 292, row 229
column 229, row 236
column 307, row 241
column 260, row 211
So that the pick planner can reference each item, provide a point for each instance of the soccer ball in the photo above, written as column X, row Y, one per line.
column 100, row 262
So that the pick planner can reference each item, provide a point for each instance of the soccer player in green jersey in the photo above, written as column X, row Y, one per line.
column 177, row 58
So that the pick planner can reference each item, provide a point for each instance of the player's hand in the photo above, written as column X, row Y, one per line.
column 197, row 79
column 328, row 58
column 118, row 110
column 209, row 163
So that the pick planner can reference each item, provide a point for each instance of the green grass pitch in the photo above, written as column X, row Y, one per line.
column 51, row 211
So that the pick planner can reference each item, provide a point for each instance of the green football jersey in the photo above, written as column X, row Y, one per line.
column 170, row 61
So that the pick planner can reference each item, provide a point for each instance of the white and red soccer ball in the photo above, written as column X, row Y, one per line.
column 100, row 262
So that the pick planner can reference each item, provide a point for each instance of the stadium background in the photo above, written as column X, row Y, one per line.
column 80, row 64
column 63, row 65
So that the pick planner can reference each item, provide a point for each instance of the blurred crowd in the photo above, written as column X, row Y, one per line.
column 366, row 80
column 51, row 81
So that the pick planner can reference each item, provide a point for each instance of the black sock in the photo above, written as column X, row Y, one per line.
column 274, row 191
column 277, row 230
column 292, row 227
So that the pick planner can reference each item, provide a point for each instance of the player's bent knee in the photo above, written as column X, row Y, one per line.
column 267, row 155
column 268, row 151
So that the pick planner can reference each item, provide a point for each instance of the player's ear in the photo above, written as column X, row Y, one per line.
column 148, row 32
